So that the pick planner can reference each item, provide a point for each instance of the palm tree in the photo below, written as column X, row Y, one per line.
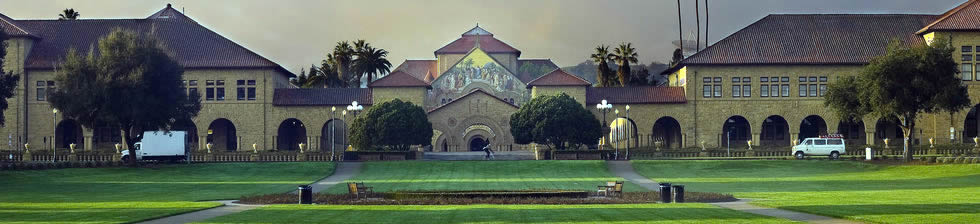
column 624, row 55
column 328, row 68
column 343, row 57
column 315, row 79
column 68, row 14
column 300, row 79
column 600, row 57
column 372, row 62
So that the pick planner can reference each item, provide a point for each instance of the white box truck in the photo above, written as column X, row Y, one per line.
column 826, row 145
column 160, row 145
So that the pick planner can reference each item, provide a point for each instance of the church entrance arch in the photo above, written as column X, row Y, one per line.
column 477, row 143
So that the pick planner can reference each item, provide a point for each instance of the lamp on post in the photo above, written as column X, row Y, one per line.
column 354, row 108
column 333, row 114
column 604, row 107
column 629, row 136
column 343, row 133
column 618, row 145
column 54, row 132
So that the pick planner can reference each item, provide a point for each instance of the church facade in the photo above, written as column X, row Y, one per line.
column 761, row 85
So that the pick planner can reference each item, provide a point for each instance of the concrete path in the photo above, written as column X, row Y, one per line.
column 625, row 170
column 744, row 206
column 345, row 170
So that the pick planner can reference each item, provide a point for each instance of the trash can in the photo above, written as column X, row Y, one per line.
column 305, row 194
column 679, row 193
column 665, row 194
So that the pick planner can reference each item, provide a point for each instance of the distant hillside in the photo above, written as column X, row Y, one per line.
column 587, row 70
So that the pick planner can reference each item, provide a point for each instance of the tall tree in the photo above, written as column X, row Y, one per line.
column 315, row 78
column 372, row 62
column 68, row 14
column 676, row 57
column 902, row 84
column 343, row 59
column 300, row 79
column 328, row 68
column 127, row 81
column 8, row 80
column 555, row 120
column 624, row 55
column 603, row 73
column 394, row 125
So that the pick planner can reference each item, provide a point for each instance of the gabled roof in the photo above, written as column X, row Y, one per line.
column 811, row 39
column 474, row 92
column 964, row 17
column 469, row 40
column 190, row 44
column 9, row 26
column 425, row 70
column 399, row 79
column 321, row 96
column 558, row 77
column 635, row 95
column 528, row 75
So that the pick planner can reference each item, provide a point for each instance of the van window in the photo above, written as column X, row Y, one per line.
column 821, row 141
column 808, row 142
column 836, row 141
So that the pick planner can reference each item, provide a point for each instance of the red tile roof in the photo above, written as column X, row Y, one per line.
column 192, row 45
column 10, row 27
column 811, row 39
column 469, row 39
column 399, row 79
column 558, row 77
column 635, row 95
column 321, row 96
column 965, row 17
column 528, row 75
column 474, row 92
column 425, row 70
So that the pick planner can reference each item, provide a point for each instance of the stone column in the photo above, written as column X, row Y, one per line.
column 202, row 144
column 869, row 137
column 755, row 138
column 88, row 137
column 794, row 137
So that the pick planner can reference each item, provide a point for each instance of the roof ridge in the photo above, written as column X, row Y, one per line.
column 946, row 15
column 559, row 71
column 250, row 51
column 396, row 74
column 8, row 20
column 852, row 14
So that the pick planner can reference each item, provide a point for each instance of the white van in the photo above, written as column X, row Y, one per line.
column 829, row 145
column 159, row 145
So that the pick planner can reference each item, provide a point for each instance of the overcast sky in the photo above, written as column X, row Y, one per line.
column 298, row 33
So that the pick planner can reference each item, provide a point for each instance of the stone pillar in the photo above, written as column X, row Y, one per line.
column 794, row 138
column 88, row 143
column 869, row 137
column 756, row 137
column 202, row 143
column 683, row 142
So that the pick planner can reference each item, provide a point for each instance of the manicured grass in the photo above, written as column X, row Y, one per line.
column 484, row 175
column 130, row 194
column 621, row 213
column 853, row 190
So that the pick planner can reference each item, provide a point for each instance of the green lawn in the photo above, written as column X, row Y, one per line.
column 853, row 190
column 109, row 195
column 484, row 175
column 619, row 213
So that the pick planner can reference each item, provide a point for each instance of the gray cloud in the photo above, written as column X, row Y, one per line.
column 298, row 33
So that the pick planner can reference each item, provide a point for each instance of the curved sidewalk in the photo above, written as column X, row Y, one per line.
column 625, row 170
column 345, row 170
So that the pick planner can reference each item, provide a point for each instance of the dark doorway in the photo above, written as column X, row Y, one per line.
column 291, row 133
column 736, row 131
column 222, row 135
column 68, row 132
column 477, row 144
column 775, row 131
column 811, row 127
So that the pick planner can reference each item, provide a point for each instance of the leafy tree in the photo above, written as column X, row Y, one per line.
column 676, row 57
column 639, row 76
column 371, row 62
column 902, row 84
column 557, row 121
column 8, row 80
column 624, row 55
column 300, row 79
column 604, row 75
column 128, row 81
column 395, row 125
column 68, row 14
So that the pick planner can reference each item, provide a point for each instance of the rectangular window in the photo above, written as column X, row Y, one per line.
column 192, row 82
column 241, row 93
column 706, row 80
column 240, row 82
column 736, row 79
column 746, row 79
column 967, row 57
column 251, row 93
column 823, row 89
column 221, row 93
column 718, row 90
column 813, row 89
column 774, row 90
column 774, row 79
column 813, row 78
column 823, row 78
column 802, row 90
column 764, row 90
column 746, row 90
column 209, row 82
column 41, row 94
column 785, row 90
column 835, row 141
column 209, row 95
column 820, row 142
column 966, row 70
column 736, row 91
column 802, row 79
column 220, row 82
column 784, row 79
column 192, row 91
column 707, row 91
column 718, row 79
column 967, row 48
column 764, row 79
column 251, row 82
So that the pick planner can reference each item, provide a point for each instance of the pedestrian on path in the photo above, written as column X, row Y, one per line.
column 489, row 151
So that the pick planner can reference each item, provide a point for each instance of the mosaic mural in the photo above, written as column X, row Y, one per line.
column 476, row 71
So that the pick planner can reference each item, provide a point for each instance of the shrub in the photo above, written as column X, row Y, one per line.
column 958, row 159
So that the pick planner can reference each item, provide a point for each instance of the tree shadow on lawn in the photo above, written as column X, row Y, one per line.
column 356, row 214
column 888, row 209
column 833, row 185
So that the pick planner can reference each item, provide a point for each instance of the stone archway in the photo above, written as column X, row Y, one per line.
column 188, row 126
column 971, row 125
column 67, row 132
column 477, row 143
column 291, row 133
column 853, row 131
column 622, row 133
column 333, row 136
column 667, row 131
column 736, row 131
column 481, row 132
column 775, row 132
column 811, row 127
column 888, row 128
column 223, row 135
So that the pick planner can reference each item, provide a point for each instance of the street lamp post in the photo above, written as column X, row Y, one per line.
column 354, row 108
column 604, row 107
column 333, row 114
column 629, row 136
column 54, row 132
column 618, row 135
column 343, row 133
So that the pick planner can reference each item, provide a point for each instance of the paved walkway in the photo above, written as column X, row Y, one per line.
column 625, row 170
column 345, row 170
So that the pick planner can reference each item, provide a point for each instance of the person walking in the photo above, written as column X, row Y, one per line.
column 489, row 151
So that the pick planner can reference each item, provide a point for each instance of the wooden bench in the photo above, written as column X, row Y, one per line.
column 611, row 188
column 358, row 189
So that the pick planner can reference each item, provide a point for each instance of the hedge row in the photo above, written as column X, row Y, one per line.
column 344, row 199
column 57, row 165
